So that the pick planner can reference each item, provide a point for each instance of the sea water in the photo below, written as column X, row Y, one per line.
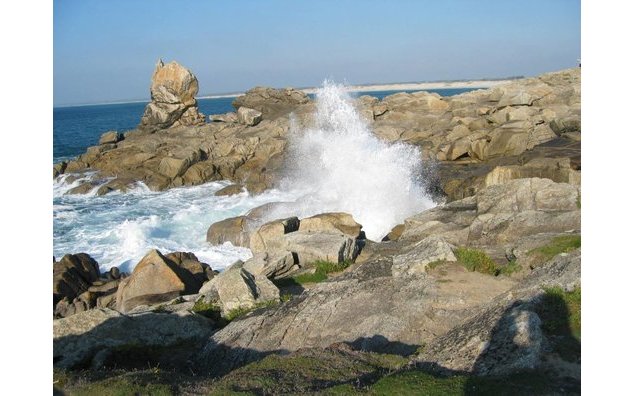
column 337, row 165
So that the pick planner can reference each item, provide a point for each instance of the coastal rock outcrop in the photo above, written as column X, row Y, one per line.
column 273, row 103
column 173, row 92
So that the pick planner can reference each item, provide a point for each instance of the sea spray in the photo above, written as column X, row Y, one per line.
column 340, row 165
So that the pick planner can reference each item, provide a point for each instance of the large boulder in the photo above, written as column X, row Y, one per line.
column 332, row 222
column 324, row 246
column 249, row 117
column 235, row 230
column 110, row 137
column 273, row 103
column 236, row 288
column 272, row 265
column 73, row 275
column 415, row 260
column 154, row 279
column 269, row 236
column 173, row 92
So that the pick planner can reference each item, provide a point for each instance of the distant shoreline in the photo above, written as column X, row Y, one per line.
column 349, row 88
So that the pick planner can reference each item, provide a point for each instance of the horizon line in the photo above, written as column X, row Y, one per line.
column 353, row 88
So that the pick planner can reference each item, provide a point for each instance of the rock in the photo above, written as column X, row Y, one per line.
column 324, row 246
column 332, row 222
column 113, row 273
column 365, row 307
column 500, row 213
column 173, row 167
column 173, row 90
column 73, row 275
column 269, row 236
column 273, row 265
column 110, row 137
column 394, row 234
column 96, row 337
column 59, row 168
column 506, row 335
column 230, row 190
column 188, row 261
column 273, row 103
column 415, row 260
column 154, row 279
column 234, row 229
column 249, row 117
column 236, row 288
column 230, row 117
column 528, row 194
column 561, row 170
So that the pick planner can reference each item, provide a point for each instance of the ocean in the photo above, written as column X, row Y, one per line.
column 118, row 229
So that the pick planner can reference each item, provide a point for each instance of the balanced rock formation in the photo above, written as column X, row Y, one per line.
column 173, row 104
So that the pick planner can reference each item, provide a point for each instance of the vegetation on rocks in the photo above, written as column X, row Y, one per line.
column 560, row 244
column 322, row 269
column 241, row 311
column 477, row 260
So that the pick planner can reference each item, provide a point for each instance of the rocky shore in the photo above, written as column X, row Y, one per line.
column 480, row 294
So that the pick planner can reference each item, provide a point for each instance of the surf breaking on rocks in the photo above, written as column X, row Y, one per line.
column 339, row 165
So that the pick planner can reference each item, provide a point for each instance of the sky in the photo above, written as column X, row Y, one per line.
column 106, row 50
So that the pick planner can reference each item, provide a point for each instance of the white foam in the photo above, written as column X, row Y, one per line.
column 340, row 165
column 118, row 229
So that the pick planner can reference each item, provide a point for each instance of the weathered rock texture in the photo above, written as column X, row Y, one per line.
column 505, row 335
column 93, row 338
column 157, row 278
column 173, row 92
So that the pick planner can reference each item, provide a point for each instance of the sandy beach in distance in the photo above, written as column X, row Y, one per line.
column 393, row 87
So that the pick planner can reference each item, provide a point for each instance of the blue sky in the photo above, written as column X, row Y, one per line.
column 106, row 50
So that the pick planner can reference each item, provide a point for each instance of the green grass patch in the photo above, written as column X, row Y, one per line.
column 477, row 260
column 121, row 386
column 241, row 311
column 322, row 269
column 208, row 309
column 419, row 382
column 510, row 268
column 560, row 244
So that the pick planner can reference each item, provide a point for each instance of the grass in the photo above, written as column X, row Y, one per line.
column 307, row 371
column 510, row 268
column 241, row 311
column 419, row 382
column 477, row 260
column 322, row 269
column 434, row 264
column 560, row 244
column 207, row 309
column 132, row 383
